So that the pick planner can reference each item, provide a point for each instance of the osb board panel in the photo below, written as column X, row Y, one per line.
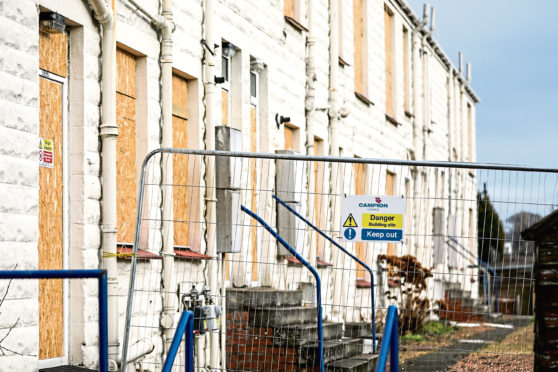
column 225, row 106
column 50, row 244
column 288, row 8
column 53, row 53
column 126, row 167
column 253, row 186
column 360, row 247
column 125, row 73
column 181, row 204
column 358, row 38
column 388, row 20
column 179, row 97
column 289, row 135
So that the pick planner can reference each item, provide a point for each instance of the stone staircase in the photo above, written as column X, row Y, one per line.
column 460, row 307
column 271, row 330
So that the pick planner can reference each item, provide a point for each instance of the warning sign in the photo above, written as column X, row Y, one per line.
column 350, row 222
column 381, row 218
column 46, row 153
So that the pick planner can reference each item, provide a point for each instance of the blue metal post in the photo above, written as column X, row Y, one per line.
column 319, row 231
column 390, row 342
column 309, row 267
column 100, row 275
column 185, row 327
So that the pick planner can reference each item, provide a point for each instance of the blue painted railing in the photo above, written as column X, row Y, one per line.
column 185, row 327
column 319, row 231
column 310, row 268
column 390, row 343
column 100, row 275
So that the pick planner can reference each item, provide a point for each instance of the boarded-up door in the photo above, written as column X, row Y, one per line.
column 360, row 189
column 52, row 60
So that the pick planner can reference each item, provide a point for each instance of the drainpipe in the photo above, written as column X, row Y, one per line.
column 164, row 23
column 334, row 121
column 210, row 197
column 108, row 132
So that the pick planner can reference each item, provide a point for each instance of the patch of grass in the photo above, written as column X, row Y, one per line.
column 412, row 337
column 437, row 329
column 519, row 341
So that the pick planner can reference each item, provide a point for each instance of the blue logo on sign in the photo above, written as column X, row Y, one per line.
column 350, row 234
column 382, row 235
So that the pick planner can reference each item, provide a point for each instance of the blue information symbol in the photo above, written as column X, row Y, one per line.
column 350, row 234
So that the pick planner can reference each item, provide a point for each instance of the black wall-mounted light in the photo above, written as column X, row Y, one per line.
column 280, row 120
column 219, row 79
column 228, row 49
column 52, row 23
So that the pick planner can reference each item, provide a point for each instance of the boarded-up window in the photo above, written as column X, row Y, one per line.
column 291, row 9
column 225, row 90
column 291, row 137
column 360, row 189
column 340, row 28
column 406, row 71
column 319, row 208
column 388, row 48
column 126, row 145
column 360, row 54
column 181, row 202
column 50, row 245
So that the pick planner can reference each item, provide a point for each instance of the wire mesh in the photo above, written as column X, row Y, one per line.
column 462, row 278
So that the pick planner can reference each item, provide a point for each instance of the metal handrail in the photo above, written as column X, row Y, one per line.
column 319, row 231
column 100, row 275
column 485, row 265
column 185, row 327
column 310, row 268
column 390, row 342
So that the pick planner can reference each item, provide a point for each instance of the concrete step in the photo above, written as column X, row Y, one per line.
column 300, row 334
column 282, row 316
column 258, row 297
column 333, row 350
column 359, row 363
column 358, row 330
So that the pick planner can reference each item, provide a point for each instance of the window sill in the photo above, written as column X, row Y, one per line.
column 364, row 99
column 408, row 114
column 361, row 283
column 126, row 251
column 319, row 263
column 187, row 254
column 342, row 62
column 296, row 24
column 392, row 120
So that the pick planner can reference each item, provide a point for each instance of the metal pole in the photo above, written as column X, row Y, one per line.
column 390, row 341
column 309, row 267
column 185, row 327
column 346, row 252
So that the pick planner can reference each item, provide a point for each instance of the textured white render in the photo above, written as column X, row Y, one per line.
column 258, row 29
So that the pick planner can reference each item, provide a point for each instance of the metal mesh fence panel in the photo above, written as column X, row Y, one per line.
column 462, row 277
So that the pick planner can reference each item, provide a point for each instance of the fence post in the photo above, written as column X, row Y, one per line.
column 390, row 342
column 185, row 327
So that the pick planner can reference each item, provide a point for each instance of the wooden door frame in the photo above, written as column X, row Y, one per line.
column 63, row 360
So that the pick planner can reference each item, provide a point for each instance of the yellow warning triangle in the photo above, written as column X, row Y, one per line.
column 350, row 222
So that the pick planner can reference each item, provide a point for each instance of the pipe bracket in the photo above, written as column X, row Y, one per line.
column 108, row 130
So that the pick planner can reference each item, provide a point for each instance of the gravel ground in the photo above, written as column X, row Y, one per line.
column 494, row 363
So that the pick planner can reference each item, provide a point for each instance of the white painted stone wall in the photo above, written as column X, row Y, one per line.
column 259, row 30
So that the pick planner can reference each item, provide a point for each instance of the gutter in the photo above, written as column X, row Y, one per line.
column 108, row 132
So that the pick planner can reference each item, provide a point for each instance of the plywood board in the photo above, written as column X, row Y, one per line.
column 181, row 204
column 225, row 106
column 50, row 244
column 53, row 53
column 388, row 27
column 288, row 133
column 125, row 73
column 126, row 168
column 358, row 39
column 288, row 8
column 253, row 186
column 360, row 189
